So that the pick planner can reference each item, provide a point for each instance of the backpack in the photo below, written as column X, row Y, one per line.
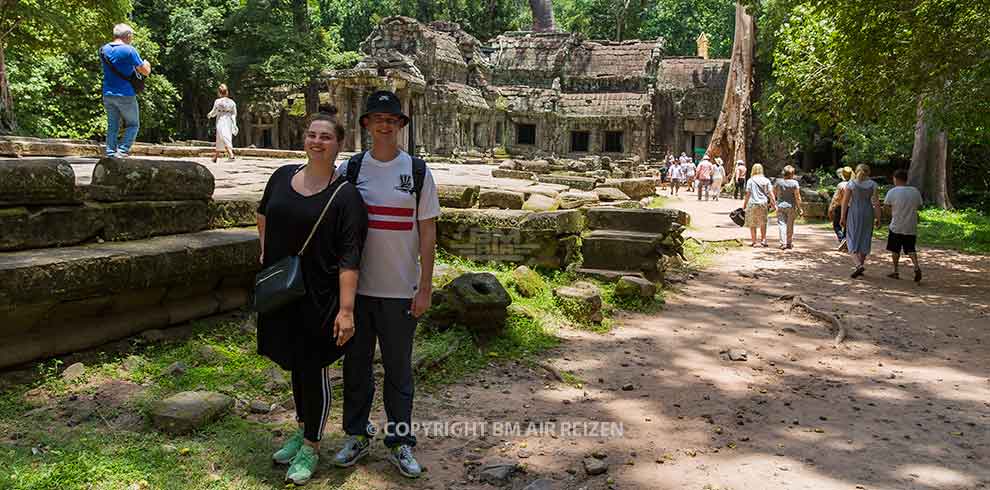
column 418, row 170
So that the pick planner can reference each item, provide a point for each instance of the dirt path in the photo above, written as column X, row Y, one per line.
column 902, row 404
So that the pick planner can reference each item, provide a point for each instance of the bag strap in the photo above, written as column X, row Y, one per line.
column 320, row 219
column 103, row 58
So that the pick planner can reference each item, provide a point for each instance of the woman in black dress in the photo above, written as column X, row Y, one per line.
column 307, row 336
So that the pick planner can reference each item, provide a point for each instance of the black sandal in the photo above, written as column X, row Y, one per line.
column 917, row 275
column 894, row 275
column 858, row 272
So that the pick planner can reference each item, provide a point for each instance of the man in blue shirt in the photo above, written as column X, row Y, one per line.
column 119, row 97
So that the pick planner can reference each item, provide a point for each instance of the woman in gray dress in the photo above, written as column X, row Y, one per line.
column 860, row 213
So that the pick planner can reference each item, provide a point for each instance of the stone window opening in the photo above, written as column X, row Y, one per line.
column 526, row 134
column 580, row 141
column 613, row 142
column 499, row 128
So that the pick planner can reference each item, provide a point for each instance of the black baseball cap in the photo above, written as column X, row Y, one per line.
column 383, row 102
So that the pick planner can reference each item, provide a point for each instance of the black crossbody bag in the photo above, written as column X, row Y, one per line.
column 282, row 282
column 136, row 79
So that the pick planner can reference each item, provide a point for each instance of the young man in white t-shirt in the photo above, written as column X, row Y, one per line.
column 395, row 283
column 904, row 202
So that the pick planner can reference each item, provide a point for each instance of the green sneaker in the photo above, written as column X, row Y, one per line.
column 289, row 449
column 303, row 465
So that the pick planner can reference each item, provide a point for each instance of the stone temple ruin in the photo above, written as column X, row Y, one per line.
column 533, row 94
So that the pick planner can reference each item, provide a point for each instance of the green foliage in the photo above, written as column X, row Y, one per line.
column 58, row 93
column 274, row 49
column 47, row 24
column 876, row 144
column 680, row 22
column 854, row 72
column 39, row 26
column 193, row 56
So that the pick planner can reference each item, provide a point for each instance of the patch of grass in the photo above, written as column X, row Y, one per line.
column 230, row 455
column 571, row 379
column 220, row 357
column 701, row 254
column 967, row 230
column 657, row 202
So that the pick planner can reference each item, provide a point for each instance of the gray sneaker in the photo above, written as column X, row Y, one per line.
column 355, row 448
column 403, row 459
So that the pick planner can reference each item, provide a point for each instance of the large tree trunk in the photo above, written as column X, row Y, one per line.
column 929, row 160
column 7, row 122
column 300, row 17
column 620, row 21
column 731, row 139
column 542, row 15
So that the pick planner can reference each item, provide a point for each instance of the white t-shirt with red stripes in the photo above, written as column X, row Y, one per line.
column 390, row 261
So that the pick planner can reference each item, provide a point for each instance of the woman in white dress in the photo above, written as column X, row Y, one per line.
column 225, row 110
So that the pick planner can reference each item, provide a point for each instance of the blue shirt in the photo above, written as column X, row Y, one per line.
column 125, row 59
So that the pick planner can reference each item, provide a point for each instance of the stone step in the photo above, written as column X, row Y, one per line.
column 49, row 226
column 575, row 182
column 624, row 251
column 661, row 221
column 60, row 300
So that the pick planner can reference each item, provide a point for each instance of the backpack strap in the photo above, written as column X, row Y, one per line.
column 419, row 175
column 354, row 167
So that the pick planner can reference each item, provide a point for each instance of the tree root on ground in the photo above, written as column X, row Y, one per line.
column 838, row 327
column 554, row 373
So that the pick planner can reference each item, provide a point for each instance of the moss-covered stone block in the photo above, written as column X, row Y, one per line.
column 116, row 179
column 36, row 181
column 581, row 302
column 528, row 282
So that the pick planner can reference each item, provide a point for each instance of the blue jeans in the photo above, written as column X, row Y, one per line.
column 121, row 107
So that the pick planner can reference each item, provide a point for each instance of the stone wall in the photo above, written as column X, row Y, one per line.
column 549, row 239
column 84, row 265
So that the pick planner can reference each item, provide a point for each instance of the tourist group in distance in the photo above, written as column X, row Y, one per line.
column 854, row 210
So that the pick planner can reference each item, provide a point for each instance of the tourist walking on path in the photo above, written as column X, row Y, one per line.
column 758, row 201
column 676, row 177
column 689, row 169
column 788, row 194
column 718, row 176
column 704, row 176
column 904, row 202
column 739, row 178
column 835, row 206
column 860, row 213
column 306, row 208
column 122, row 71
column 225, row 110
column 396, row 283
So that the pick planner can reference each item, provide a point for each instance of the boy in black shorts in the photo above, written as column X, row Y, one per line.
column 904, row 202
